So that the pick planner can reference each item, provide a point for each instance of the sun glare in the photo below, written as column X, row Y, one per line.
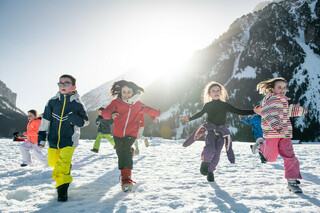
column 161, row 54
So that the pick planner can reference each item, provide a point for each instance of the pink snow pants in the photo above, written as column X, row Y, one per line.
column 272, row 147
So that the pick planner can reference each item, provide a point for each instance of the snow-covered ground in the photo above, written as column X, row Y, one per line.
column 168, row 180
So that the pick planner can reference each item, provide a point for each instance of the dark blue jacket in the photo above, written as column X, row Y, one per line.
column 255, row 121
column 62, row 118
column 104, row 125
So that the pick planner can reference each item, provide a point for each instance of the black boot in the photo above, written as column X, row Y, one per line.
column 210, row 177
column 262, row 158
column 63, row 192
column 204, row 168
column 94, row 150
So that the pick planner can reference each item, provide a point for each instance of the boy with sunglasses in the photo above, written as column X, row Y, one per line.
column 63, row 117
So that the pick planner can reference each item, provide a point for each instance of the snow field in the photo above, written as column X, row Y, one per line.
column 168, row 180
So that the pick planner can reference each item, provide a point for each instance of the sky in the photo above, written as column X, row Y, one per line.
column 96, row 41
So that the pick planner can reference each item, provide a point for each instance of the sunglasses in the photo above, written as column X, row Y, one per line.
column 65, row 84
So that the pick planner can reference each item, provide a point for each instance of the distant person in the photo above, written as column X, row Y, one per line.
column 140, row 134
column 125, row 109
column 32, row 140
column 63, row 116
column 215, row 129
column 277, row 128
column 104, row 131
column 255, row 121
column 16, row 136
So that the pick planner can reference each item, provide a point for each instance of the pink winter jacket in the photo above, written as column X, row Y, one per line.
column 275, row 115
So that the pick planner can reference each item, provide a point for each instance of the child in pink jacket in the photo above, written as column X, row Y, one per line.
column 277, row 128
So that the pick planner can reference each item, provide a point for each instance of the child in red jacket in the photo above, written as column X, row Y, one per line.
column 125, row 110
column 32, row 140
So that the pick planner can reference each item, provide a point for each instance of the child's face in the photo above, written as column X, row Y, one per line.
column 99, row 112
column 31, row 116
column 65, row 86
column 215, row 93
column 126, row 93
column 280, row 88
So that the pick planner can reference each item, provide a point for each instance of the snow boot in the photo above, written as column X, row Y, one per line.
column 126, row 182
column 204, row 168
column 293, row 186
column 256, row 146
column 23, row 165
column 262, row 158
column 146, row 142
column 63, row 192
column 210, row 177
column 95, row 150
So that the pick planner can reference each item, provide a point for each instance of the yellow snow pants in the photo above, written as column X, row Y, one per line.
column 60, row 159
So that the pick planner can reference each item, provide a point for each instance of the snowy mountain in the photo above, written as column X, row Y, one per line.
column 100, row 96
column 12, row 119
column 168, row 180
column 262, row 5
column 282, row 39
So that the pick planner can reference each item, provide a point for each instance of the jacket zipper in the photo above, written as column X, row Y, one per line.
column 125, row 126
column 64, row 104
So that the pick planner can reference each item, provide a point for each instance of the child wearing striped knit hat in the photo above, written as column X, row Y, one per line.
column 277, row 128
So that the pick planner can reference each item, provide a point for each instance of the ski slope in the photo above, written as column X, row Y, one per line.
column 168, row 180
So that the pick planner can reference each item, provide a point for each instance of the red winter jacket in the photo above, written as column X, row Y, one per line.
column 127, row 123
column 142, row 121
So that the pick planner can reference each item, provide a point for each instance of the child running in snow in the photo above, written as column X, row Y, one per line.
column 32, row 140
column 140, row 134
column 255, row 121
column 126, row 109
column 277, row 128
column 63, row 116
column 214, row 129
column 104, row 131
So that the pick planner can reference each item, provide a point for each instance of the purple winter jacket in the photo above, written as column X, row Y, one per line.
column 214, row 140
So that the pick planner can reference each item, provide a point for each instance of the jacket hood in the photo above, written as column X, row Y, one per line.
column 74, row 96
column 132, row 100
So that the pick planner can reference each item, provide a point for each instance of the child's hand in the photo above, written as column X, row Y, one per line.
column 257, row 110
column 155, row 120
column 114, row 115
column 305, row 111
column 41, row 146
column 24, row 134
column 186, row 118
column 240, row 117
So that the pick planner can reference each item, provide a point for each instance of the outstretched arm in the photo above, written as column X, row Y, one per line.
column 234, row 110
column 153, row 113
column 197, row 115
column 296, row 111
column 247, row 120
